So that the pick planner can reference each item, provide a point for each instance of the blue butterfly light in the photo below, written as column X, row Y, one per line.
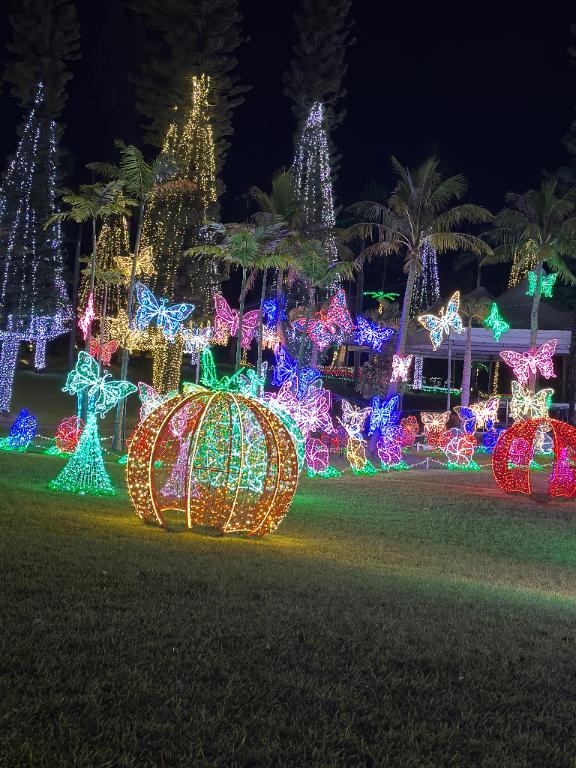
column 274, row 311
column 168, row 319
column 371, row 334
column 286, row 370
column 384, row 413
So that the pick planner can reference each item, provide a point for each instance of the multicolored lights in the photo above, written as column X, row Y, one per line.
column 227, row 322
column 525, row 364
column 324, row 326
column 442, row 324
column 371, row 334
column 168, row 318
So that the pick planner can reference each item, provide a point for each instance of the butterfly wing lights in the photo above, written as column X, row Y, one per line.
column 104, row 350
column 286, row 369
column 434, row 425
column 353, row 420
column 324, row 327
column 401, row 367
column 84, row 472
column 86, row 318
column 496, row 322
column 441, row 325
column 371, row 334
column 227, row 321
column 168, row 318
column 529, row 405
column 546, row 284
column 524, row 364
column 383, row 413
column 482, row 415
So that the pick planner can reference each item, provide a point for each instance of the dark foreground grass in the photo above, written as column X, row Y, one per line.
column 410, row 620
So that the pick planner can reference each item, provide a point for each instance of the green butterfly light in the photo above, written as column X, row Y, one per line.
column 546, row 284
column 84, row 472
column 496, row 322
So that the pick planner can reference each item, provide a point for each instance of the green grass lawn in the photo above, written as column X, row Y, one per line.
column 411, row 619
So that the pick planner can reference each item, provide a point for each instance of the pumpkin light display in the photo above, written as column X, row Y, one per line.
column 235, row 461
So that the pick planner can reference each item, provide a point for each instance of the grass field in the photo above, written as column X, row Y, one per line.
column 407, row 620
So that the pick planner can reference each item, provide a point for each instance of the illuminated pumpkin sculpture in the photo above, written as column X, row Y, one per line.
column 221, row 458
column 511, row 467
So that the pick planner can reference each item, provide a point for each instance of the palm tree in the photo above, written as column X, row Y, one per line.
column 280, row 205
column 537, row 229
column 250, row 247
column 474, row 308
column 93, row 202
column 318, row 271
column 420, row 209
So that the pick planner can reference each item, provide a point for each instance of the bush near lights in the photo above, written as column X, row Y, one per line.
column 515, row 478
column 236, row 463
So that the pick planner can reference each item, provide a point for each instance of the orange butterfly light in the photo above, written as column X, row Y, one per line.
column 434, row 425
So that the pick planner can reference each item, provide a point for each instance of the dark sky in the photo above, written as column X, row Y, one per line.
column 488, row 87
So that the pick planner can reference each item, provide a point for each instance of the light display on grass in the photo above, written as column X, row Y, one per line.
column 383, row 413
column 227, row 322
column 434, row 426
column 496, row 322
column 371, row 334
column 479, row 415
column 324, row 328
column 87, row 317
column 68, row 434
column 241, row 464
column 310, row 412
column 401, row 367
column 514, row 477
column 389, row 448
column 353, row 420
column 441, row 325
column 410, row 430
column 168, row 318
column 84, row 472
column 529, row 405
column 529, row 363
column 490, row 438
column 458, row 447
column 546, row 284
column 318, row 459
column 105, row 353
column 21, row 433
column 286, row 369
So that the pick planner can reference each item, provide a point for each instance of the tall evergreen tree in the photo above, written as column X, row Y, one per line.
column 186, row 38
column 318, row 66
column 33, row 301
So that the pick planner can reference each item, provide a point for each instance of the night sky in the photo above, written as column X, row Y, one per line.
column 489, row 88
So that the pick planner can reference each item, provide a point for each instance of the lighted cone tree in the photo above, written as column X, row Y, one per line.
column 85, row 472
column 33, row 302
column 313, row 189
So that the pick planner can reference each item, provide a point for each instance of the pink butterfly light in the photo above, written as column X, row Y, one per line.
column 227, row 320
column 525, row 363
column 323, row 328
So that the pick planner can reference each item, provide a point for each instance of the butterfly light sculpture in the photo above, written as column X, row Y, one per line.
column 434, row 425
column 196, row 340
column 496, row 322
column 227, row 321
column 479, row 415
column 106, row 350
column 532, row 405
column 525, row 363
column 310, row 412
column 352, row 420
column 144, row 263
column 442, row 324
column 389, row 446
column 546, row 284
column 150, row 399
column 323, row 328
column 371, row 334
column 21, row 433
column 84, row 472
column 401, row 367
column 85, row 320
column 274, row 311
column 383, row 413
column 168, row 318
column 286, row 369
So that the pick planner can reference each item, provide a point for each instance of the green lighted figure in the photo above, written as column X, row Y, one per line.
column 84, row 472
column 496, row 322
column 546, row 284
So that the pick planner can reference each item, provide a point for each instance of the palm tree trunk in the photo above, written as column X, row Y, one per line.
column 467, row 371
column 479, row 276
column 534, row 319
column 279, row 289
column 103, row 325
column 405, row 316
column 240, row 319
column 92, row 276
column 305, row 331
column 75, row 284
column 120, row 418
column 261, row 323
